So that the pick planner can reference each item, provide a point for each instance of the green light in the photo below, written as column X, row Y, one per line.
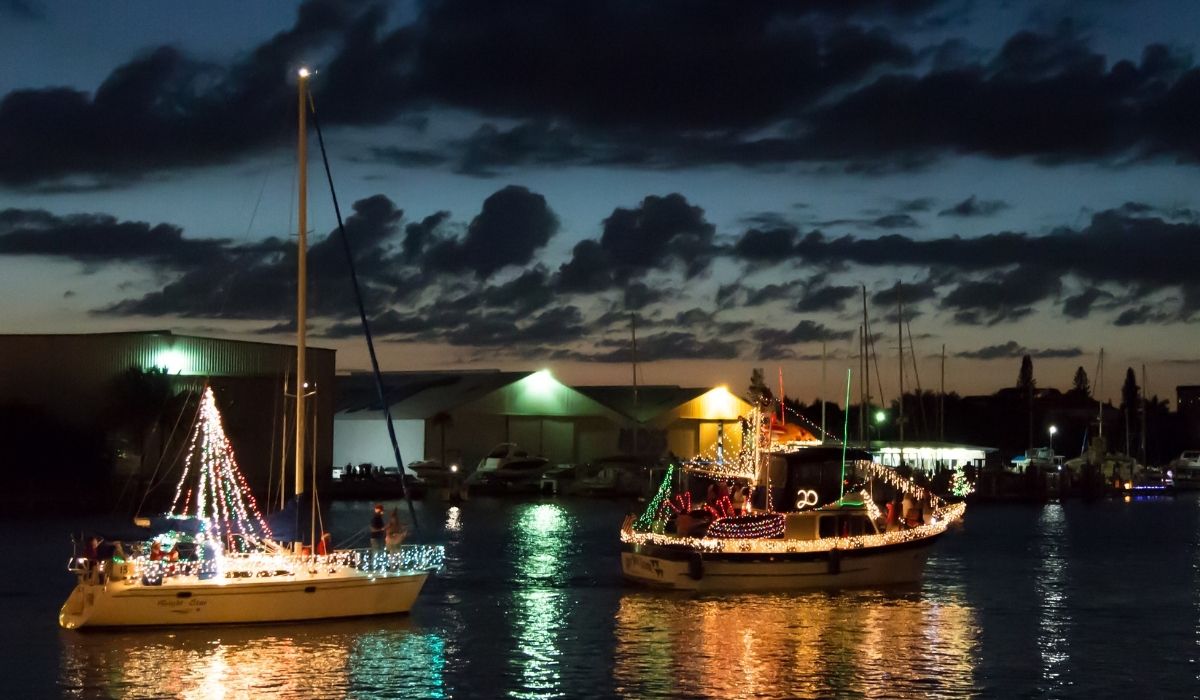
column 880, row 416
column 172, row 361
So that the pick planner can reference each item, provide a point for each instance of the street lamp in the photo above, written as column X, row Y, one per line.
column 1053, row 430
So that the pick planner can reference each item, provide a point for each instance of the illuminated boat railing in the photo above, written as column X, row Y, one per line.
column 405, row 559
column 941, row 520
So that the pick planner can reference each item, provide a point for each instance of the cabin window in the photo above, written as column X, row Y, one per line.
column 827, row 526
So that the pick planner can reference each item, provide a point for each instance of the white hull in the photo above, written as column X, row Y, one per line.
column 681, row 570
column 190, row 601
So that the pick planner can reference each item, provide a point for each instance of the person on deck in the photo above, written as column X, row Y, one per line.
column 378, row 532
column 395, row 532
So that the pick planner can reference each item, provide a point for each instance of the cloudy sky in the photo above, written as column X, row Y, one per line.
column 518, row 182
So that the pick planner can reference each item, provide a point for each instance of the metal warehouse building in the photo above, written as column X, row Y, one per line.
column 72, row 378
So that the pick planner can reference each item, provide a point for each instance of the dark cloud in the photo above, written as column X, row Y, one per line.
column 26, row 10
column 1006, row 296
column 658, row 234
column 669, row 84
column 895, row 221
column 164, row 109
column 664, row 65
column 769, row 245
column 970, row 207
column 100, row 238
column 670, row 345
column 1080, row 305
column 1043, row 95
column 407, row 157
column 513, row 225
column 826, row 298
column 531, row 143
column 1141, row 315
column 418, row 235
column 1012, row 349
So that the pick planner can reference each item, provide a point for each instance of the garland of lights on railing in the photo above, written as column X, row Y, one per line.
column 404, row 560
column 713, row 545
column 224, row 501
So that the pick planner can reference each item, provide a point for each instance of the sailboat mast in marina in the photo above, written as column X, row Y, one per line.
column 214, row 560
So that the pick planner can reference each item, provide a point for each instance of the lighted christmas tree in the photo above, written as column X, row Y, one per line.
column 212, row 487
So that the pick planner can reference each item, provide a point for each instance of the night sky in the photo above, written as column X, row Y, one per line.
column 518, row 179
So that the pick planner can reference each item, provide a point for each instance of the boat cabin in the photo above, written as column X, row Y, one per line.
column 834, row 521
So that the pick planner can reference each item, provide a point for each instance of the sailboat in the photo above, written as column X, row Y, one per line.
column 214, row 559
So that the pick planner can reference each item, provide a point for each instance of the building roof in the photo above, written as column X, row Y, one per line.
column 419, row 395
column 652, row 401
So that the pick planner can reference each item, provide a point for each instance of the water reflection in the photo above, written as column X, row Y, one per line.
column 868, row 644
column 377, row 658
column 542, row 537
column 1050, row 583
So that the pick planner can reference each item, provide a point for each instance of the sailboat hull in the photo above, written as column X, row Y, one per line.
column 217, row 602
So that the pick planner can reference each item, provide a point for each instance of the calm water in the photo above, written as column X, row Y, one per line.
column 1075, row 600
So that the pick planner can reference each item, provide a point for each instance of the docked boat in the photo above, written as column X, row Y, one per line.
column 1149, row 482
column 214, row 558
column 508, row 464
column 1186, row 470
column 848, row 543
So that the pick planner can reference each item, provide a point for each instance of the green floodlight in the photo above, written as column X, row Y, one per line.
column 880, row 416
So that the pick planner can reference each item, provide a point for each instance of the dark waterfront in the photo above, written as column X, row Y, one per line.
column 1074, row 600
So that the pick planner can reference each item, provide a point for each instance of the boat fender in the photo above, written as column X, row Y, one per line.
column 835, row 561
column 696, row 566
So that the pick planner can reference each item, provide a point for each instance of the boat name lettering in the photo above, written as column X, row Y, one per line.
column 648, row 565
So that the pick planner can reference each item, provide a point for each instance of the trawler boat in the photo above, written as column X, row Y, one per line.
column 215, row 559
column 846, row 544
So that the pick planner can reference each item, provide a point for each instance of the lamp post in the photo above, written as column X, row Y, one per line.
column 1053, row 430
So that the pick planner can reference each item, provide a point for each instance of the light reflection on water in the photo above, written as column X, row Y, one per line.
column 1050, row 586
column 541, row 541
column 1038, row 601
column 381, row 659
column 866, row 644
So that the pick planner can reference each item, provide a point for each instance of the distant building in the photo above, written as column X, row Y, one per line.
column 1188, row 400
column 72, row 377
column 687, row 421
column 469, row 413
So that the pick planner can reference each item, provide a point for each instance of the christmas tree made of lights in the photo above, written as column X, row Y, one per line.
column 213, row 488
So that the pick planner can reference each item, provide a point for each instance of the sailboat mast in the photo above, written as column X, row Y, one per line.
column 942, row 400
column 823, row 393
column 900, row 337
column 633, row 356
column 301, row 280
column 1099, row 395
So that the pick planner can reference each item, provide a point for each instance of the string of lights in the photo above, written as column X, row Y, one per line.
column 405, row 560
column 938, row 525
column 223, row 499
